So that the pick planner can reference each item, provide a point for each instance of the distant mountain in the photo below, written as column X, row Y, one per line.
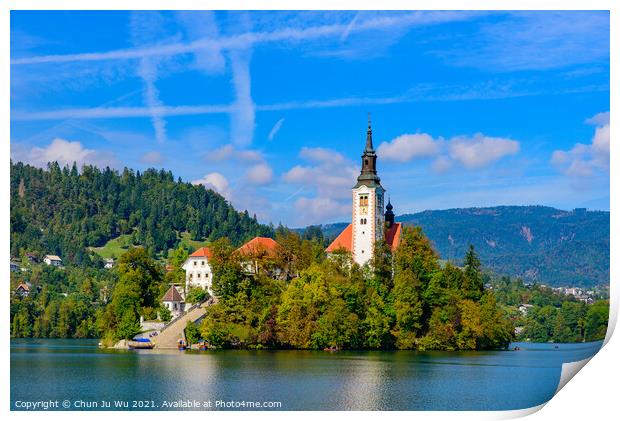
column 537, row 243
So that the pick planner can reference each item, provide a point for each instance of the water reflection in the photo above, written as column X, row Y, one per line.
column 301, row 380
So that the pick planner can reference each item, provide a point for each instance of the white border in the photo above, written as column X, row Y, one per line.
column 591, row 395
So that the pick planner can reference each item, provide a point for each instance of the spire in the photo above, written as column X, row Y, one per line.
column 369, row 136
column 368, row 175
column 389, row 214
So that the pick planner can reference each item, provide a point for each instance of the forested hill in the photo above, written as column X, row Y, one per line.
column 64, row 212
column 537, row 243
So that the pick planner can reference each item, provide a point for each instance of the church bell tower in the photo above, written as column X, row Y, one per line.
column 368, row 217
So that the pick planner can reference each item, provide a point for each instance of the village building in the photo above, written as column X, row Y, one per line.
column 22, row 290
column 52, row 260
column 257, row 250
column 198, row 271
column 369, row 221
column 108, row 263
column 174, row 302
column 32, row 258
column 15, row 266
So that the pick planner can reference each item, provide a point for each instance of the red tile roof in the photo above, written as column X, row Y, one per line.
column 392, row 235
column 344, row 240
column 259, row 245
column 172, row 294
column 23, row 286
column 202, row 252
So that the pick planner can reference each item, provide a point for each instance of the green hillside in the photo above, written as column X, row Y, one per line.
column 71, row 213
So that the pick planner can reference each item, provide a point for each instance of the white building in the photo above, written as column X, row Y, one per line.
column 369, row 222
column 198, row 270
column 52, row 260
column 174, row 302
column 108, row 263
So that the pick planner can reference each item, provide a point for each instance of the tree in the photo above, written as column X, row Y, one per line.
column 415, row 263
column 472, row 285
column 192, row 333
column 128, row 327
column 226, row 267
column 596, row 321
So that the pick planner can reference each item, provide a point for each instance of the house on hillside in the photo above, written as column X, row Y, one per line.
column 525, row 308
column 22, row 290
column 32, row 258
column 198, row 271
column 260, row 253
column 52, row 260
column 369, row 222
column 15, row 266
column 174, row 302
column 108, row 263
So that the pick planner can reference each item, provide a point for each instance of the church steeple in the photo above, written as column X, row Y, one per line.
column 389, row 214
column 368, row 176
column 369, row 147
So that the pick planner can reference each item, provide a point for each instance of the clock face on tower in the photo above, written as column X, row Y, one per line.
column 364, row 204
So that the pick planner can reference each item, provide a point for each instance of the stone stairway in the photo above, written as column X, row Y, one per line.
column 169, row 337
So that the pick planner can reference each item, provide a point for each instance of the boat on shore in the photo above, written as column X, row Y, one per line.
column 140, row 343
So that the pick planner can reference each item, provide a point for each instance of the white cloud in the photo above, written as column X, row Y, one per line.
column 480, row 150
column 319, row 209
column 152, row 158
column 275, row 129
column 228, row 151
column 600, row 119
column 249, row 155
column 441, row 164
column 331, row 177
column 146, row 28
column 470, row 151
column 243, row 117
column 217, row 182
column 202, row 24
column 64, row 152
column 407, row 147
column 242, row 40
column 259, row 174
column 584, row 160
column 485, row 90
column 526, row 40
column 322, row 155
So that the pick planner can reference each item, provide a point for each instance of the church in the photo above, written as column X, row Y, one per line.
column 369, row 221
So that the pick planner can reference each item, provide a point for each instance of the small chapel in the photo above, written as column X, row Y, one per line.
column 370, row 220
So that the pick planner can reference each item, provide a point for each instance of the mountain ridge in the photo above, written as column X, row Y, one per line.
column 536, row 243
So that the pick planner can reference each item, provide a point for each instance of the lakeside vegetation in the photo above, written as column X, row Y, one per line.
column 552, row 316
column 298, row 299
column 414, row 304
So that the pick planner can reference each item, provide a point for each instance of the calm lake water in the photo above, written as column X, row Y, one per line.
column 76, row 370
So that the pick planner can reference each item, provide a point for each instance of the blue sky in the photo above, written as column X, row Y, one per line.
column 270, row 108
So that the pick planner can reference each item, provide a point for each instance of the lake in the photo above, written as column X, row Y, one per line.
column 78, row 372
